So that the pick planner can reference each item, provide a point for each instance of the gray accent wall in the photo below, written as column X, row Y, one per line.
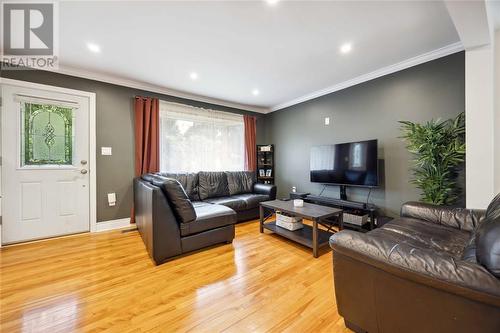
column 367, row 111
column 115, row 128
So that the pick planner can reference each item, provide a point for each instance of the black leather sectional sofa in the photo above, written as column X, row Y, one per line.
column 434, row 269
column 177, row 213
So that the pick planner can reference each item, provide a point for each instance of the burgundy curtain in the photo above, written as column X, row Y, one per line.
column 147, row 145
column 250, row 143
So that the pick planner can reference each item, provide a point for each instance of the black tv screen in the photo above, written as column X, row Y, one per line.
column 353, row 163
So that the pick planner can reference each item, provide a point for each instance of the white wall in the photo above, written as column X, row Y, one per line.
column 475, row 21
column 480, row 121
column 497, row 112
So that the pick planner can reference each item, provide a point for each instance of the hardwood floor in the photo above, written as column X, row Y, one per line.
column 106, row 281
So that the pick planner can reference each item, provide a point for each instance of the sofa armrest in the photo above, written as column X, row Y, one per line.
column 422, row 266
column 266, row 189
column 156, row 222
column 459, row 218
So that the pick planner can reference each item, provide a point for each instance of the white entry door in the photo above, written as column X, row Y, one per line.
column 45, row 162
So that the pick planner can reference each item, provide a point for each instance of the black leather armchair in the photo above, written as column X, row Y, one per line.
column 418, row 273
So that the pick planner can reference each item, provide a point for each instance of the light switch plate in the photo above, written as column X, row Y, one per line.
column 112, row 199
column 106, row 151
column 327, row 120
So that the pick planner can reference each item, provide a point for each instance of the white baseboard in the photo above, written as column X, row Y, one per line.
column 113, row 224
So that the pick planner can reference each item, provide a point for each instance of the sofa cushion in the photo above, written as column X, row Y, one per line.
column 231, row 202
column 188, row 180
column 459, row 218
column 209, row 217
column 422, row 234
column 240, row 181
column 212, row 185
column 251, row 200
column 488, row 244
column 181, row 205
column 469, row 252
column 199, row 203
column 493, row 210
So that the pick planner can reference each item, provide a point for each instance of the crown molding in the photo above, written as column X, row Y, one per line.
column 429, row 56
column 120, row 81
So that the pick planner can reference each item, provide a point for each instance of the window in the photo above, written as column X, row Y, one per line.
column 46, row 134
column 194, row 139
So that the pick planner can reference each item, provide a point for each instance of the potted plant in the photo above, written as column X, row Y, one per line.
column 438, row 148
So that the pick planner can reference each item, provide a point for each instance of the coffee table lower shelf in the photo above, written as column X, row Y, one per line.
column 302, row 236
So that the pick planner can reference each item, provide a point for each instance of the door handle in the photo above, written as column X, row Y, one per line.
column 83, row 171
column 83, row 162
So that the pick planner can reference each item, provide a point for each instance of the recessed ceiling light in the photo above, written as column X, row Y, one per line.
column 272, row 2
column 193, row 76
column 255, row 92
column 346, row 48
column 94, row 47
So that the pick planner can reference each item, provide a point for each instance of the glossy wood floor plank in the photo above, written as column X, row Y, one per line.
column 106, row 282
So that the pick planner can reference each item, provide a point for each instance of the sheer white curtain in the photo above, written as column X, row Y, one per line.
column 194, row 139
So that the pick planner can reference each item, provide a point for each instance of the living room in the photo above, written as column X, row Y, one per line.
column 248, row 166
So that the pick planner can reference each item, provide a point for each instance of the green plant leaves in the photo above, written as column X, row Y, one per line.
column 438, row 148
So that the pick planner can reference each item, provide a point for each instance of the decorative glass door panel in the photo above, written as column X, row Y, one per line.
column 47, row 134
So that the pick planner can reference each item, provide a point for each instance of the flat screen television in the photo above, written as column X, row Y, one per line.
column 351, row 164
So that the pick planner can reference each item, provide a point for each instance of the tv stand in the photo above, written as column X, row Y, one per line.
column 343, row 193
column 352, row 207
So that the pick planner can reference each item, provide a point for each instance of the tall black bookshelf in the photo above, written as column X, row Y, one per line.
column 265, row 164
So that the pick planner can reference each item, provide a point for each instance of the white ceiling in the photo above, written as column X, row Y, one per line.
column 289, row 51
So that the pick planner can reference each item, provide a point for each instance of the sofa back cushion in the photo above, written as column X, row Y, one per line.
column 484, row 238
column 181, row 205
column 212, row 184
column 488, row 239
column 493, row 210
column 469, row 252
column 188, row 180
column 240, row 182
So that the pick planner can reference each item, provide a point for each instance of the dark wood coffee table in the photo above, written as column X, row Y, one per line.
column 312, row 237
